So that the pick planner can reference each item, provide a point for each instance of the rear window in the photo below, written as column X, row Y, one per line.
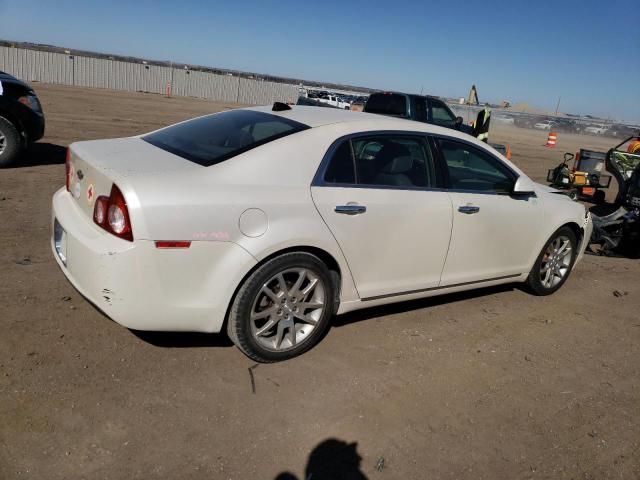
column 387, row 104
column 215, row 138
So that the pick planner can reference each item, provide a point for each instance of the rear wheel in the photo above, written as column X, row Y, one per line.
column 554, row 264
column 10, row 143
column 283, row 308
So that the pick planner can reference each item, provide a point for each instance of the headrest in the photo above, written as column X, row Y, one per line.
column 399, row 165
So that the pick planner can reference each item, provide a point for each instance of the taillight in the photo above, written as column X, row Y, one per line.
column 111, row 213
column 31, row 101
column 68, row 169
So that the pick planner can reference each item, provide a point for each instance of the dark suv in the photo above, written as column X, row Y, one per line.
column 420, row 108
column 21, row 118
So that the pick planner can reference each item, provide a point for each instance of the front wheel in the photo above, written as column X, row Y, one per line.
column 554, row 264
column 283, row 308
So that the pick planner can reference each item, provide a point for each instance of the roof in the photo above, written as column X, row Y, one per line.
column 353, row 122
column 412, row 95
column 317, row 116
column 359, row 121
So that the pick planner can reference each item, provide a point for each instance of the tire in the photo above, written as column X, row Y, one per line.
column 547, row 276
column 266, row 320
column 10, row 143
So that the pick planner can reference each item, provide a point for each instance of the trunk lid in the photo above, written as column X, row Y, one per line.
column 97, row 164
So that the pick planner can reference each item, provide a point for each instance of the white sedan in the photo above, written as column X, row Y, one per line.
column 268, row 221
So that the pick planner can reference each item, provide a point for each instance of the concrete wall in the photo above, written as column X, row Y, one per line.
column 37, row 66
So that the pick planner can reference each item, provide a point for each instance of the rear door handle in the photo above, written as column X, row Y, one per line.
column 350, row 209
column 468, row 209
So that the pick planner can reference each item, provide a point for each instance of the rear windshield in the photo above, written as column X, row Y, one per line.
column 387, row 104
column 215, row 138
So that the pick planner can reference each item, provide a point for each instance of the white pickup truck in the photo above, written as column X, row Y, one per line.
column 335, row 101
column 596, row 129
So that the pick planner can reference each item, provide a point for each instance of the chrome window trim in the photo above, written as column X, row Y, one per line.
column 438, row 163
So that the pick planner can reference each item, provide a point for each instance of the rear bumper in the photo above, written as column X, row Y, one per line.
column 145, row 288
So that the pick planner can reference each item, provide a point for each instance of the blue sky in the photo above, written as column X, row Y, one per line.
column 587, row 52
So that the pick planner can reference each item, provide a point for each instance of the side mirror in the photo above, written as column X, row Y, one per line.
column 524, row 186
column 459, row 121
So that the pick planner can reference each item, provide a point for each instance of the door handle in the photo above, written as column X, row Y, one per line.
column 468, row 209
column 350, row 209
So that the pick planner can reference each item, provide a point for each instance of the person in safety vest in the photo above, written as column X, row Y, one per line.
column 481, row 125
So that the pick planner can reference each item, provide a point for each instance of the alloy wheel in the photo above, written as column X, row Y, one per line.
column 556, row 261
column 3, row 143
column 287, row 309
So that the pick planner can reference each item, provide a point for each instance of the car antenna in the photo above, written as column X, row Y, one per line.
column 280, row 107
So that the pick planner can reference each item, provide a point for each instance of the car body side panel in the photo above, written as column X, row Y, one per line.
column 146, row 288
column 207, row 203
column 270, row 184
column 559, row 210
column 494, row 242
column 398, row 244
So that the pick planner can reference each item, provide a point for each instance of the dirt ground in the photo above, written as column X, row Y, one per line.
column 492, row 384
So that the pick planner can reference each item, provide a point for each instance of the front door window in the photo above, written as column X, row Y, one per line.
column 471, row 169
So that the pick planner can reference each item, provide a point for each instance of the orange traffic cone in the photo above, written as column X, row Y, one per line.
column 551, row 140
column 508, row 152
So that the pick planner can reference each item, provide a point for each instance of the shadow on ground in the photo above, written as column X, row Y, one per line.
column 332, row 459
column 183, row 339
column 42, row 154
column 402, row 307
column 189, row 340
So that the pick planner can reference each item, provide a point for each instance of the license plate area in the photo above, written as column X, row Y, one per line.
column 60, row 241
